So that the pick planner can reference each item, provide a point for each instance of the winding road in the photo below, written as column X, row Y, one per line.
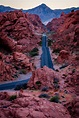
column 45, row 57
column 12, row 84
column 45, row 60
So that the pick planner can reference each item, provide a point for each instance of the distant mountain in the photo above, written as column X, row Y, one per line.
column 43, row 11
column 4, row 8
column 46, row 14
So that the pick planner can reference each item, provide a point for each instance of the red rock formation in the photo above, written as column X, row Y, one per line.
column 63, row 56
column 6, row 71
column 75, row 107
column 66, row 31
column 17, row 35
column 31, row 107
column 65, row 36
column 18, row 30
column 42, row 77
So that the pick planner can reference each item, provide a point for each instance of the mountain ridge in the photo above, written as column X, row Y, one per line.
column 43, row 11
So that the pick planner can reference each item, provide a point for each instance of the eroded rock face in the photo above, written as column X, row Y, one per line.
column 66, row 32
column 12, row 64
column 20, row 57
column 31, row 107
column 17, row 30
column 75, row 107
column 17, row 36
column 65, row 37
column 63, row 56
column 42, row 77
column 6, row 71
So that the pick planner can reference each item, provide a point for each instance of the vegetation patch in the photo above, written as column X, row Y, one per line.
column 54, row 99
column 40, row 43
column 38, row 83
column 13, row 97
column 33, row 52
column 49, row 42
column 23, row 71
column 56, row 50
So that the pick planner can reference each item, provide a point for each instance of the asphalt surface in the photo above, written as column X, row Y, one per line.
column 45, row 60
column 45, row 57
column 13, row 84
column 22, row 79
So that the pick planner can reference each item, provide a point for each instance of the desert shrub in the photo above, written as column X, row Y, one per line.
column 49, row 42
column 13, row 97
column 54, row 99
column 56, row 50
column 23, row 71
column 40, row 43
column 33, row 52
column 38, row 82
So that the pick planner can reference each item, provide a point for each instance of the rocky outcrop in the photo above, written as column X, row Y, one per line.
column 42, row 77
column 55, row 23
column 75, row 107
column 64, row 36
column 27, row 105
column 18, row 30
column 12, row 65
column 7, row 71
column 63, row 56
column 65, row 30
column 17, row 38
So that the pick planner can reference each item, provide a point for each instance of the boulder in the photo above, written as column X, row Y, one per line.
column 63, row 55
column 20, row 57
column 42, row 77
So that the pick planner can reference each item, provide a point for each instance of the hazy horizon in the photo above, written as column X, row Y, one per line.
column 22, row 4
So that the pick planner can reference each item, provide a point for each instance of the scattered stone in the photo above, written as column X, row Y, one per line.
column 45, row 89
column 43, row 95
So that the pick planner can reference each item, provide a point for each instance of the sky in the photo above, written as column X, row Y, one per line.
column 28, row 4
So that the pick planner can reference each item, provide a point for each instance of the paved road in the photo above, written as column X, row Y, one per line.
column 45, row 60
column 45, row 57
column 12, row 84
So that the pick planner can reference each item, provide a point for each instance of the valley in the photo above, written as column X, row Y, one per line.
column 39, row 65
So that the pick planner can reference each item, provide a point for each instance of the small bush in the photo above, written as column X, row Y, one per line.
column 54, row 99
column 40, row 43
column 23, row 71
column 13, row 97
column 38, row 83
column 49, row 42
column 56, row 50
column 34, row 52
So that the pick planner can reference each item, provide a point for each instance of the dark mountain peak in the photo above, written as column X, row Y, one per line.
column 43, row 5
